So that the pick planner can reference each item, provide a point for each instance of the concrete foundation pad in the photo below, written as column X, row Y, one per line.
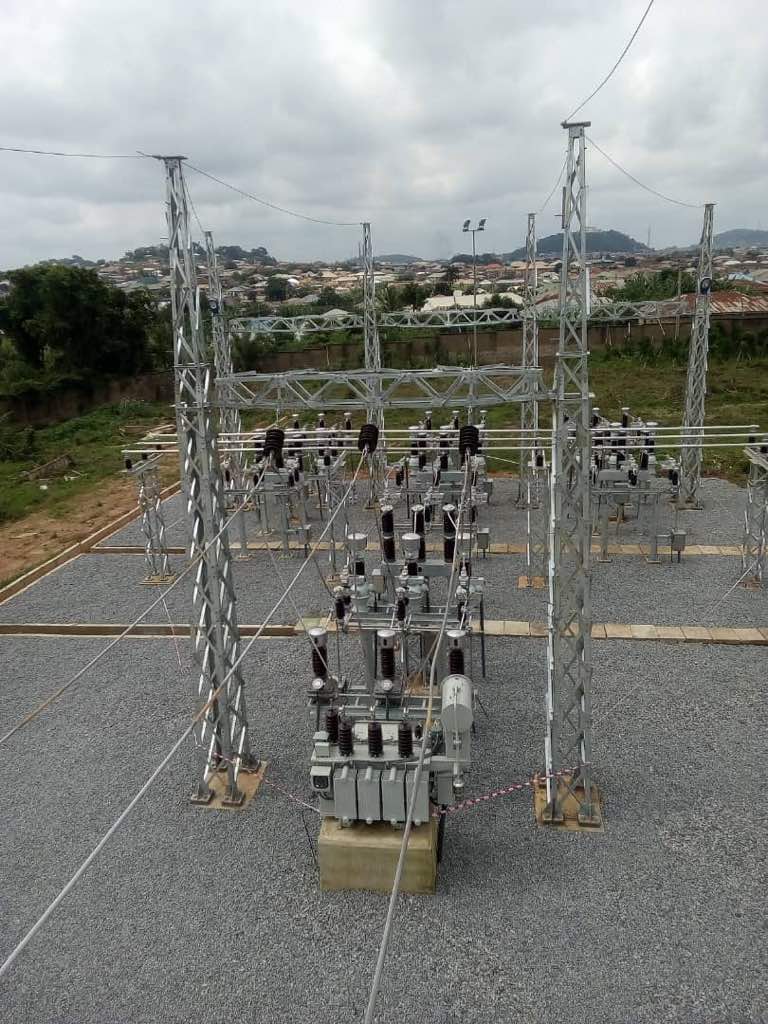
column 570, row 808
column 365, row 857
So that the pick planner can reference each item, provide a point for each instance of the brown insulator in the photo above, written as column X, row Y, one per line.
column 375, row 740
column 346, row 739
column 332, row 725
column 404, row 740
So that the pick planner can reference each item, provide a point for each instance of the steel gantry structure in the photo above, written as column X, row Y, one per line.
column 371, row 344
column 696, row 383
column 753, row 552
column 604, row 312
column 568, row 742
column 529, row 411
column 223, row 729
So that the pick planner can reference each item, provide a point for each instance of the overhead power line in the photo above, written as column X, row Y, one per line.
column 653, row 191
column 273, row 206
column 546, row 202
column 622, row 55
column 85, row 156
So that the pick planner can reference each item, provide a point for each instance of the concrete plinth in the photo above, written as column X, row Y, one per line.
column 365, row 857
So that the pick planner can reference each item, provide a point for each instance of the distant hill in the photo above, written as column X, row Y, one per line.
column 597, row 241
column 740, row 238
column 397, row 258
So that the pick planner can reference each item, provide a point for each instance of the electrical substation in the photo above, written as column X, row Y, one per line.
column 403, row 589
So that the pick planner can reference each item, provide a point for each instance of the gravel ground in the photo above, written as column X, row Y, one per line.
column 653, row 920
column 107, row 588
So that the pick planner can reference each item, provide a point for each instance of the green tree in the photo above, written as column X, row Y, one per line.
column 67, row 319
column 277, row 289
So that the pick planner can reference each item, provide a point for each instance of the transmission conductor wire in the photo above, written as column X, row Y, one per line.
column 8, row 963
column 272, row 206
column 85, row 156
column 622, row 55
column 376, row 984
column 653, row 191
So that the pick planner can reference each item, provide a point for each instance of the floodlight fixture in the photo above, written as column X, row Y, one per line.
column 466, row 226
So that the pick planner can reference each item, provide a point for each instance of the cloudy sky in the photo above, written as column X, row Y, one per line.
column 413, row 114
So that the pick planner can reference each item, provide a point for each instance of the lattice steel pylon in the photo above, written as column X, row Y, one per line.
column 754, row 548
column 371, row 343
column 696, row 383
column 230, row 423
column 568, row 743
column 223, row 731
column 153, row 523
column 529, row 411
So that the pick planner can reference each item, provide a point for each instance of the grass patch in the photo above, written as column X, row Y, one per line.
column 94, row 442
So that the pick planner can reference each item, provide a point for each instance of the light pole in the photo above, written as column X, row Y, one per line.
column 480, row 227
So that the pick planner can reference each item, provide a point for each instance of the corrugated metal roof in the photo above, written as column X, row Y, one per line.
column 724, row 302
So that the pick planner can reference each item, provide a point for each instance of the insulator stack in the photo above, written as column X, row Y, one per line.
column 332, row 725
column 368, row 438
column 375, row 740
column 418, row 528
column 388, row 533
column 128, row 464
column 625, row 417
column 422, row 460
column 456, row 661
column 404, row 740
column 346, row 738
column 444, row 461
column 227, row 475
column 347, row 422
column 319, row 638
column 273, row 445
column 400, row 609
column 339, row 607
column 469, row 440
column 386, row 638
column 449, row 532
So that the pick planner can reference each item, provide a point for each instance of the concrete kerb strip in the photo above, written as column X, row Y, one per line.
column 81, row 547
column 513, row 628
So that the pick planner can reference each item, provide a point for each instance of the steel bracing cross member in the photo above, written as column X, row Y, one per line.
column 568, row 741
column 372, row 346
column 696, row 384
column 223, row 731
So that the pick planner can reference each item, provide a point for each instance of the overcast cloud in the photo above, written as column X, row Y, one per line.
column 413, row 114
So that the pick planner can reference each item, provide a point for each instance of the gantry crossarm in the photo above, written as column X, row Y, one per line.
column 454, row 386
column 488, row 317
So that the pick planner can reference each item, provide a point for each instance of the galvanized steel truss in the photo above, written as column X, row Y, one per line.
column 569, row 713
column 529, row 411
column 696, row 384
column 753, row 551
column 223, row 730
column 444, row 386
column 371, row 346
column 153, row 522
column 448, row 318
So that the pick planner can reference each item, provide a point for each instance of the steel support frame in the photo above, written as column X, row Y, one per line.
column 529, row 410
column 153, row 523
column 667, row 309
column 696, row 383
column 568, row 743
column 223, row 730
column 371, row 344
column 754, row 549
column 230, row 424
column 443, row 386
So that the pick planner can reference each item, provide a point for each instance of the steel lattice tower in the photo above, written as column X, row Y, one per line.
column 153, row 523
column 223, row 731
column 696, row 384
column 529, row 411
column 754, row 554
column 230, row 423
column 568, row 742
column 370, row 330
